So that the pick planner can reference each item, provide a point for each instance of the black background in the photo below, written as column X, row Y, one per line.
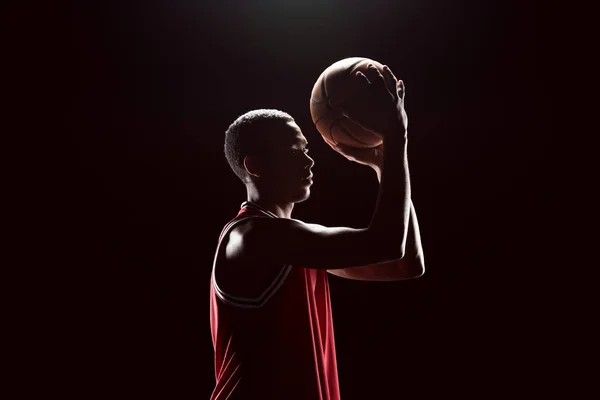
column 147, row 189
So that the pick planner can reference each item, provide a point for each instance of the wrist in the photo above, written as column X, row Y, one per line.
column 395, row 126
column 396, row 138
column 377, row 170
column 395, row 135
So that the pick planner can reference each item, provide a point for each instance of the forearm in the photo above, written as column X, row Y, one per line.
column 391, row 218
column 414, row 248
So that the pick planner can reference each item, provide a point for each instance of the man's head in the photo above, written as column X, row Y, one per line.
column 266, row 148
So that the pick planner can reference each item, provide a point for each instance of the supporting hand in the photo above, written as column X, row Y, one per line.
column 373, row 157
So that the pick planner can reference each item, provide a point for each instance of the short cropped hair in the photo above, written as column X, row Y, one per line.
column 247, row 134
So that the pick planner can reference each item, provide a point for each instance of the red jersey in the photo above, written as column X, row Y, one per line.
column 279, row 345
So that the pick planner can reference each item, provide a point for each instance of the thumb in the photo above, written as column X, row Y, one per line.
column 348, row 152
column 346, row 149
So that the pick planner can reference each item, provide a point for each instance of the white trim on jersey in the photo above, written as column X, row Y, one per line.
column 247, row 302
column 259, row 208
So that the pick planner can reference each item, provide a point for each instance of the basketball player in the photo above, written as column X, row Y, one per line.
column 270, row 310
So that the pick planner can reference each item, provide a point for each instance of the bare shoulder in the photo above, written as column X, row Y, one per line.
column 276, row 240
column 239, row 241
column 235, row 271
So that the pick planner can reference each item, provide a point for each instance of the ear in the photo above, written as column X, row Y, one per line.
column 251, row 166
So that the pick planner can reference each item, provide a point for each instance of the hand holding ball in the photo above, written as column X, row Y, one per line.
column 353, row 105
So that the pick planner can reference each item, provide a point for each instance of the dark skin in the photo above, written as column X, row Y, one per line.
column 388, row 249
column 412, row 265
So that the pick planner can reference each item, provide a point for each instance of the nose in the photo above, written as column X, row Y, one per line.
column 309, row 162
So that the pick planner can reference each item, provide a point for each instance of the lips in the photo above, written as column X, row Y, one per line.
column 307, row 177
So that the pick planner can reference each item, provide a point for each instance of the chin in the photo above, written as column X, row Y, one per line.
column 302, row 197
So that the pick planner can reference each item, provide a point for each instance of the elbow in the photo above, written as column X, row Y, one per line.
column 412, row 266
column 417, row 267
column 418, row 271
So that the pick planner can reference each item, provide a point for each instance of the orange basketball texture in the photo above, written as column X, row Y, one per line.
column 329, row 93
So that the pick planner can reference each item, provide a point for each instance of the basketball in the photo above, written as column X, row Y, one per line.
column 329, row 93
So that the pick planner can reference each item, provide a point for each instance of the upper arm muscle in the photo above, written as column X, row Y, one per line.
column 288, row 241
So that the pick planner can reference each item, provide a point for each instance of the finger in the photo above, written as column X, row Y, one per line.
column 386, row 68
column 360, row 80
column 357, row 87
column 350, row 153
column 335, row 146
column 390, row 79
column 401, row 89
column 355, row 152
column 340, row 147
column 374, row 75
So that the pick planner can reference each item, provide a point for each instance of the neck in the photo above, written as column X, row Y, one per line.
column 281, row 209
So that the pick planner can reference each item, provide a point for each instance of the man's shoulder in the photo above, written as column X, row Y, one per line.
column 243, row 224
column 237, row 269
column 236, row 232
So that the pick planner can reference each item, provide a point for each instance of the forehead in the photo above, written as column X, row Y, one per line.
column 298, row 137
column 290, row 134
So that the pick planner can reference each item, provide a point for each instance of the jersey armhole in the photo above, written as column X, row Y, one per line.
column 246, row 302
